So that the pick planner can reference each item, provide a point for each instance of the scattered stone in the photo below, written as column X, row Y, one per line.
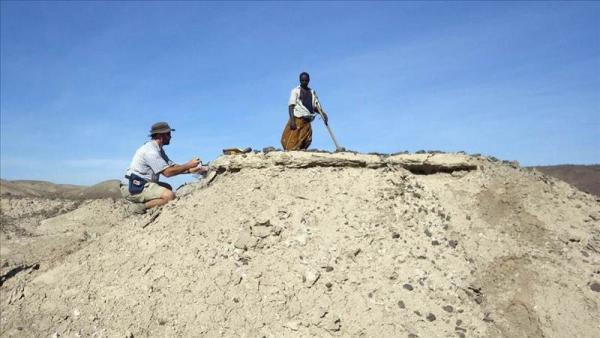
column 292, row 325
column 86, row 236
column 395, row 235
column 468, row 217
column 459, row 322
column 328, row 268
column 412, row 335
column 435, row 242
column 448, row 308
column 263, row 219
column 430, row 317
column 428, row 233
column 460, row 334
column 487, row 318
column 595, row 287
column 245, row 241
column 310, row 277
column 333, row 324
column 452, row 243
column 401, row 304
column 418, row 313
column 408, row 287
column 261, row 231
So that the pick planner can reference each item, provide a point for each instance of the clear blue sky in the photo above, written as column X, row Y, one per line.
column 81, row 82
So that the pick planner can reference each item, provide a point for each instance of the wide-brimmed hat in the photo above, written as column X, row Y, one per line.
column 160, row 128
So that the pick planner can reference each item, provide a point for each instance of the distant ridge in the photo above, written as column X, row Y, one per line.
column 583, row 177
column 44, row 189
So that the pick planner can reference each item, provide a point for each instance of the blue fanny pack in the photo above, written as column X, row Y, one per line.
column 136, row 183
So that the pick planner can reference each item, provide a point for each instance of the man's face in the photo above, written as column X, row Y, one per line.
column 304, row 80
column 166, row 138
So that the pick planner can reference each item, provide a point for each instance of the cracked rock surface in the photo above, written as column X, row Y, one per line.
column 317, row 244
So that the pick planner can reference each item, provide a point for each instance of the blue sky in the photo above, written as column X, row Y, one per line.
column 81, row 82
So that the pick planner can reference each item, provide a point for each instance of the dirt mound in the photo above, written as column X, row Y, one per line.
column 300, row 244
column 42, row 189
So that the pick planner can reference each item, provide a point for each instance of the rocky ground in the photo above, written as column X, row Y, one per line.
column 318, row 244
column 36, row 234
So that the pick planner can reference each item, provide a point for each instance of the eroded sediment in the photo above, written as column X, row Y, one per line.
column 315, row 244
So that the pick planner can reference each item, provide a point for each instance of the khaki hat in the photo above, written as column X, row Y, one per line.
column 160, row 128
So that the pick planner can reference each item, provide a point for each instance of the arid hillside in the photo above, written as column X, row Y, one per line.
column 28, row 188
column 583, row 177
column 300, row 244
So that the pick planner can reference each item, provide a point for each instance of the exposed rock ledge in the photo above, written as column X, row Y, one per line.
column 428, row 163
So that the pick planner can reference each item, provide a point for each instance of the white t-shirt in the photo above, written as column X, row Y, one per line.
column 299, row 109
column 149, row 161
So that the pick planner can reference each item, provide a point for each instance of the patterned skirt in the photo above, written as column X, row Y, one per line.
column 298, row 139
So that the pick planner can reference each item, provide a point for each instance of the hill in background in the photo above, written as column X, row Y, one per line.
column 584, row 177
column 30, row 188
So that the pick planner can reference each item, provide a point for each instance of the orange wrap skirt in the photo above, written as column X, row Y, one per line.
column 298, row 139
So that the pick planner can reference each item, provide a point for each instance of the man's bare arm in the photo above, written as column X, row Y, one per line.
column 180, row 168
column 292, row 121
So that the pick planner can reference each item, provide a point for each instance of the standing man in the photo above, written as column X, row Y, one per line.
column 302, row 107
column 141, row 185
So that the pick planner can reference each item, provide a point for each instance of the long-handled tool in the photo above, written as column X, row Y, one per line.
column 337, row 146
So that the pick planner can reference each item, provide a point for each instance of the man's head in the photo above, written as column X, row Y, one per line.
column 161, row 132
column 304, row 80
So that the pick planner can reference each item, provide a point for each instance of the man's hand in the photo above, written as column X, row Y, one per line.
column 193, row 163
column 325, row 117
column 293, row 125
column 199, row 170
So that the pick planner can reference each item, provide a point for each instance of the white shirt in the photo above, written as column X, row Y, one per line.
column 299, row 109
column 149, row 161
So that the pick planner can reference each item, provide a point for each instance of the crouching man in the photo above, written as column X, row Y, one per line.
column 141, row 185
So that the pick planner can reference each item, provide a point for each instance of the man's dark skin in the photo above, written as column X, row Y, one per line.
column 304, row 80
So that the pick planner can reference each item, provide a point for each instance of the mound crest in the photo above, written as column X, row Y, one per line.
column 318, row 244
